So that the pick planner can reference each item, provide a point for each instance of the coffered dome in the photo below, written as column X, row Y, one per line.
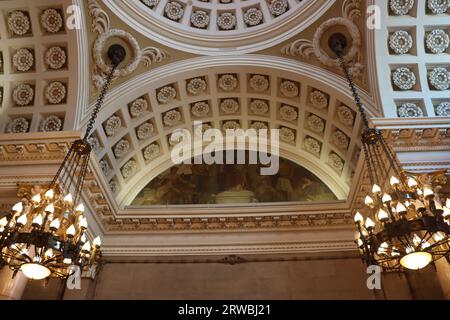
column 219, row 26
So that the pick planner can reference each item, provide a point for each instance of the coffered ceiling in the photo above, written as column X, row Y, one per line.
column 229, row 63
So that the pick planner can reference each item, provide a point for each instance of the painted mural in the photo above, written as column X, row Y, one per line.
column 232, row 183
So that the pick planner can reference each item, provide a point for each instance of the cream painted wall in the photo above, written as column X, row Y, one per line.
column 285, row 280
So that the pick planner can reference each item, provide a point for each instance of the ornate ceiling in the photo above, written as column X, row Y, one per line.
column 319, row 126
column 414, row 75
column 229, row 63
column 222, row 27
column 39, row 67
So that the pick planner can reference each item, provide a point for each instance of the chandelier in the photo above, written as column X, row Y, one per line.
column 407, row 224
column 45, row 235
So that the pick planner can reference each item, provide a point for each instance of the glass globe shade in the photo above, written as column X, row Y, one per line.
column 35, row 271
column 416, row 260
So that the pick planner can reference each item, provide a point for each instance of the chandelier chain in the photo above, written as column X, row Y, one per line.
column 353, row 89
column 99, row 101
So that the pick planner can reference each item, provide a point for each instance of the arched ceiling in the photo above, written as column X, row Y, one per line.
column 165, row 53
column 305, row 98
column 219, row 26
column 322, row 131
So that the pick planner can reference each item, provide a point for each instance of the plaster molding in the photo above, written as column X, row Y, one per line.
column 145, row 84
column 276, row 248
column 102, row 26
column 185, row 39
column 305, row 48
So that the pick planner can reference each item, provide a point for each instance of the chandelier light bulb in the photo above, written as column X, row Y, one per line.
column 50, row 208
column 3, row 222
column 38, row 220
column 49, row 194
column 425, row 245
column 358, row 217
column 86, row 247
column 446, row 213
column 97, row 242
column 412, row 183
column 48, row 253
column 22, row 220
column 382, row 249
column 80, row 208
column 369, row 224
column 18, row 207
column 438, row 237
column 394, row 181
column 401, row 208
column 83, row 238
column 383, row 215
column 67, row 261
column 68, row 198
column 364, row 232
column 368, row 201
column 417, row 240
column 386, row 198
column 36, row 198
column 376, row 189
column 55, row 224
column 419, row 192
column 427, row 192
column 360, row 243
column 83, row 223
column 419, row 205
column 394, row 252
column 70, row 231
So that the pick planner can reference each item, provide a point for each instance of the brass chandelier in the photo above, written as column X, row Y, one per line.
column 44, row 236
column 407, row 225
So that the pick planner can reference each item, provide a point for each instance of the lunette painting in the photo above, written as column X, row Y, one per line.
column 232, row 183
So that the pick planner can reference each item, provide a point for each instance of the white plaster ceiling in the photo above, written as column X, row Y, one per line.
column 33, row 88
column 414, row 35
column 198, row 26
column 333, row 127
column 221, row 52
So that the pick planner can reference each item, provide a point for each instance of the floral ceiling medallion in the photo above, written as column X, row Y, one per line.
column 305, row 48
column 101, row 24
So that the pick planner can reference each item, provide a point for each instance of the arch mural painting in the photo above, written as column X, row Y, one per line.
column 232, row 183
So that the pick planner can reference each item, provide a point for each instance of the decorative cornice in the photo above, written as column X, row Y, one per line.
column 430, row 139
column 230, row 223
column 33, row 146
column 249, row 249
